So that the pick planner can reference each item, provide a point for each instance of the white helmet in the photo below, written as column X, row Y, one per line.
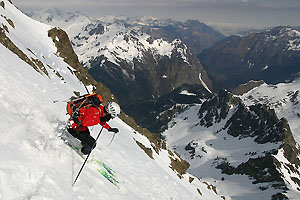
column 113, row 108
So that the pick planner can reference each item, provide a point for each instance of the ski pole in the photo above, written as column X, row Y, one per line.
column 111, row 140
column 59, row 101
column 87, row 157
column 86, row 88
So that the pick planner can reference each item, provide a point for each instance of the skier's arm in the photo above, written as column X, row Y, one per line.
column 105, row 125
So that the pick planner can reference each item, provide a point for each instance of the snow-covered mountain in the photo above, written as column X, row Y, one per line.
column 38, row 71
column 126, row 57
column 244, row 146
column 198, row 36
column 284, row 98
column 272, row 55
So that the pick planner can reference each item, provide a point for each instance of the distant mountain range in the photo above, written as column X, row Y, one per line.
column 272, row 56
column 138, row 59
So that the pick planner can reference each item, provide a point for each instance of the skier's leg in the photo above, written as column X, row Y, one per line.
column 72, row 131
column 80, row 135
column 87, row 141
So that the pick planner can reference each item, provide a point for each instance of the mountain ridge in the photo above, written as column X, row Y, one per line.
column 271, row 56
column 142, row 66
column 223, row 138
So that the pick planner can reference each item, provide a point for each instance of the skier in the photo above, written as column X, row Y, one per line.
column 91, row 116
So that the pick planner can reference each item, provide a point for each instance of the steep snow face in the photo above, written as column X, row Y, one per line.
column 284, row 98
column 35, row 162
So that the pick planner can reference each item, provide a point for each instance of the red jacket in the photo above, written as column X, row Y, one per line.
column 90, row 117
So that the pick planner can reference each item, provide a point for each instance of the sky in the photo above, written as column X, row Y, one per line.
column 257, row 13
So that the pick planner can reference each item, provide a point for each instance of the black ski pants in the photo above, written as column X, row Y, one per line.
column 87, row 141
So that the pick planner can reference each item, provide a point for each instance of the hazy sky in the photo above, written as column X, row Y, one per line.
column 242, row 12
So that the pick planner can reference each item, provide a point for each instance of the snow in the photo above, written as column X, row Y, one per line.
column 35, row 162
column 250, row 65
column 265, row 68
column 290, row 36
column 203, row 83
column 294, row 45
column 285, row 170
column 184, row 92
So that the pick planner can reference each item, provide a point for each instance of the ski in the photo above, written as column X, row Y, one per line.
column 108, row 169
column 106, row 172
column 109, row 177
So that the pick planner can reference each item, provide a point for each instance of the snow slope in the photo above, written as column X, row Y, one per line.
column 208, row 147
column 35, row 162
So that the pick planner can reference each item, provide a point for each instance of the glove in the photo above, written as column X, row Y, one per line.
column 106, row 118
column 115, row 130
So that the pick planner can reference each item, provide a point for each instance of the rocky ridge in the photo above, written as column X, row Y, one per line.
column 272, row 56
column 239, row 140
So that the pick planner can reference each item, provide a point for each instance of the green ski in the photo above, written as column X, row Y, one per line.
column 108, row 169
column 109, row 177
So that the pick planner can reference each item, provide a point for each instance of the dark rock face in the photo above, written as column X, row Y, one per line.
column 217, row 108
column 150, row 77
column 157, row 113
column 272, row 56
column 98, row 30
column 260, row 123
column 153, row 75
column 198, row 36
